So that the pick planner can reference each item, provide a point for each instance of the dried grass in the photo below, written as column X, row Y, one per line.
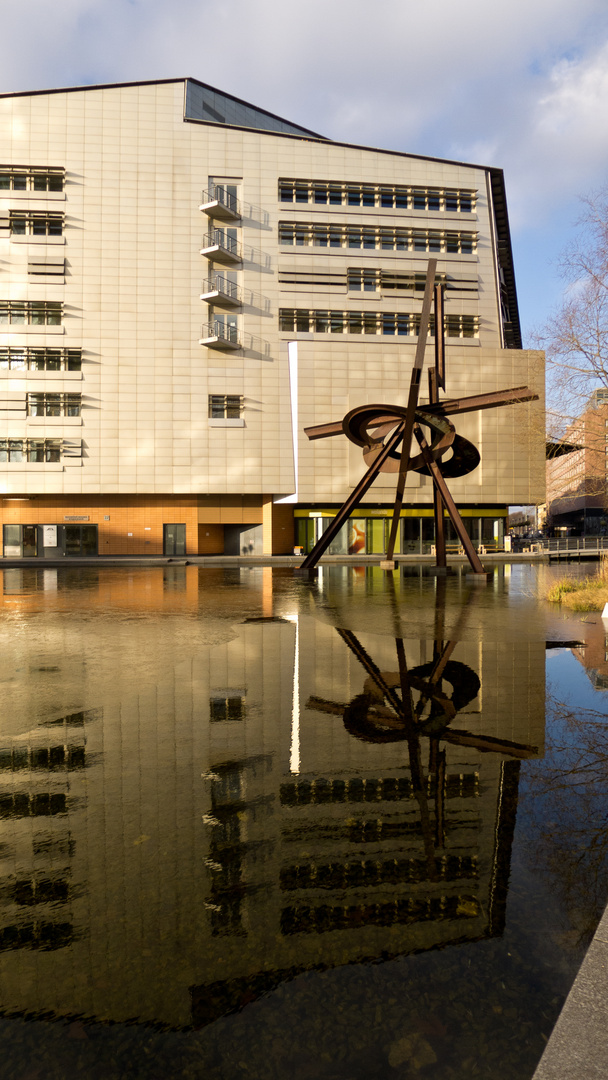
column 582, row 594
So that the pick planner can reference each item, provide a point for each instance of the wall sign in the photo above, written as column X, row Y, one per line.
column 77, row 517
column 49, row 536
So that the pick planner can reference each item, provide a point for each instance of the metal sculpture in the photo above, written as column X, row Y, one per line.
column 385, row 434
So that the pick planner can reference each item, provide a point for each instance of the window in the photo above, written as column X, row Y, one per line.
column 17, row 178
column 300, row 234
column 31, row 312
column 27, row 359
column 227, row 708
column 388, row 323
column 53, row 404
column 363, row 280
column 462, row 326
column 15, row 450
column 35, row 223
column 386, row 196
column 225, row 406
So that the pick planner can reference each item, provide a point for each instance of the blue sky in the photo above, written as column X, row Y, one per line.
column 519, row 84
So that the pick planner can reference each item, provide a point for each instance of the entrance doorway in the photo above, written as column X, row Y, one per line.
column 174, row 539
column 80, row 540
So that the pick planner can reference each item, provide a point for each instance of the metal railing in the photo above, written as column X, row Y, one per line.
column 221, row 285
column 571, row 545
column 575, row 543
column 225, row 332
column 219, row 238
column 218, row 193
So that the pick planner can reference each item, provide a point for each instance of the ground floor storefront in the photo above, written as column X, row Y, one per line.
column 366, row 533
column 48, row 527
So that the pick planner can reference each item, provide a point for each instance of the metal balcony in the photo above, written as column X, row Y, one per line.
column 222, row 248
column 221, row 293
column 220, row 204
column 217, row 335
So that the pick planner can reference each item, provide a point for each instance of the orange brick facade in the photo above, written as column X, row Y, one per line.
column 132, row 525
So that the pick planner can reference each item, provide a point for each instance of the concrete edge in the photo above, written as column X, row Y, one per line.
column 455, row 561
column 578, row 1046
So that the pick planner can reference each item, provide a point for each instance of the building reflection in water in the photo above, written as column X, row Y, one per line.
column 196, row 808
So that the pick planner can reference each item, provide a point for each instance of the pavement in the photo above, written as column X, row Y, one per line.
column 490, row 560
column 578, row 1047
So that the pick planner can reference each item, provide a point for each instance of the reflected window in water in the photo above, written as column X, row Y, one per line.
column 231, row 707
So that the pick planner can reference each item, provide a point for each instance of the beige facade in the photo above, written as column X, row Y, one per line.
column 160, row 246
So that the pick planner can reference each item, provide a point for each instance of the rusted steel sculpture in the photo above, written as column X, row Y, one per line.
column 385, row 434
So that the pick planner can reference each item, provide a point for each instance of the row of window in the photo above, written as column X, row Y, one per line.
column 388, row 196
column 298, row 320
column 53, row 404
column 225, row 406
column 30, row 449
column 359, row 280
column 14, row 358
column 376, row 237
column 19, row 178
column 34, row 223
column 32, row 312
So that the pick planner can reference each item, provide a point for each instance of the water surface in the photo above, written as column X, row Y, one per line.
column 258, row 825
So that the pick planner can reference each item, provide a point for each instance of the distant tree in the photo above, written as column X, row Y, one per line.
column 575, row 339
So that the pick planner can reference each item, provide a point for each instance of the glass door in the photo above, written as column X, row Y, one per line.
column 30, row 541
column 80, row 540
column 174, row 539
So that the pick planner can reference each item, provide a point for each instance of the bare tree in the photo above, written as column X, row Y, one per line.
column 576, row 338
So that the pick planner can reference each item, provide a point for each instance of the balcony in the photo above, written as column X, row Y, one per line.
column 221, row 293
column 220, row 335
column 221, row 247
column 220, row 203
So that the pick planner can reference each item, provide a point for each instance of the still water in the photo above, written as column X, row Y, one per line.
column 255, row 825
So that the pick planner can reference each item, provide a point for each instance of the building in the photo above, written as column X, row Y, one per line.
column 187, row 281
column 576, row 478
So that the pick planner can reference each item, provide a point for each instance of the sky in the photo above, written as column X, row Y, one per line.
column 517, row 84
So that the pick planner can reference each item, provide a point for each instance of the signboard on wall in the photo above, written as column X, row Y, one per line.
column 49, row 536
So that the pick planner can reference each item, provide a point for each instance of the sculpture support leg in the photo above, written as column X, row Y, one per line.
column 354, row 498
column 412, row 402
column 439, row 530
column 450, row 505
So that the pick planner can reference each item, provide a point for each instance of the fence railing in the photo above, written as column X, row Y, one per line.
column 218, row 193
column 222, row 285
column 565, row 545
column 222, row 331
column 220, row 238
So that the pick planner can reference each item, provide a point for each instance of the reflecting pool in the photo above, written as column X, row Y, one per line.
column 257, row 825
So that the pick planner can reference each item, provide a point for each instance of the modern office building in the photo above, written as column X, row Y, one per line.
column 187, row 282
column 577, row 491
